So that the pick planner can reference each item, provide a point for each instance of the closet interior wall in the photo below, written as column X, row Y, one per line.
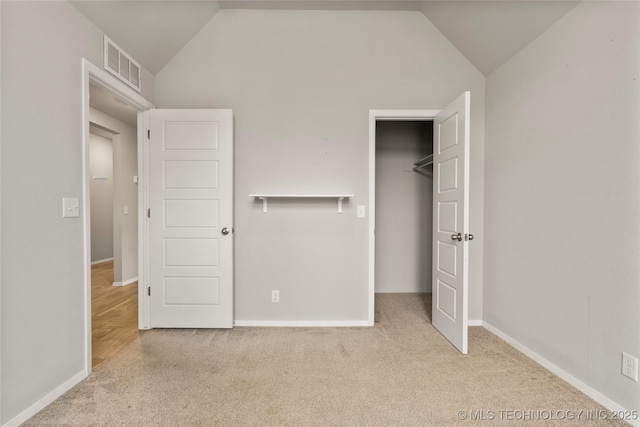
column 404, row 210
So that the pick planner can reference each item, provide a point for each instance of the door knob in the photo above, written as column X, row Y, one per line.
column 225, row 231
column 457, row 237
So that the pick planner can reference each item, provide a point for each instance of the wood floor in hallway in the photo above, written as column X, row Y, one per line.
column 114, row 313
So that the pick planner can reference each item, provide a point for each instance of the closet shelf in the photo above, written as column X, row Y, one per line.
column 265, row 197
column 424, row 162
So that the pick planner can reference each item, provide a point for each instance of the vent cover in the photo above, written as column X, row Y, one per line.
column 118, row 63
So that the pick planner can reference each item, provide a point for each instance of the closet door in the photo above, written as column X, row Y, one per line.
column 451, row 221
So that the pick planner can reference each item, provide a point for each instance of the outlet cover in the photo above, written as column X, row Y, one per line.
column 629, row 366
column 275, row 296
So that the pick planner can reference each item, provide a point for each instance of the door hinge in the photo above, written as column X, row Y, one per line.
column 148, row 134
column 149, row 213
column 149, row 290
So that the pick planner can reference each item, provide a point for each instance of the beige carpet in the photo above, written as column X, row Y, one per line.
column 400, row 372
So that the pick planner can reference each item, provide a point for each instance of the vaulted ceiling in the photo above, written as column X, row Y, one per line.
column 487, row 33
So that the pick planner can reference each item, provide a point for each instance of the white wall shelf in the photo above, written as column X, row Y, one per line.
column 265, row 197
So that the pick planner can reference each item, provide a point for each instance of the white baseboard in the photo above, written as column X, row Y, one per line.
column 100, row 261
column 409, row 290
column 46, row 400
column 128, row 282
column 584, row 388
column 302, row 323
column 315, row 323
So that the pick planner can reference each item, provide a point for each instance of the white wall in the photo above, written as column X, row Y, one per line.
column 562, row 189
column 125, row 193
column 301, row 84
column 101, row 166
column 42, row 322
column 0, row 213
column 404, row 207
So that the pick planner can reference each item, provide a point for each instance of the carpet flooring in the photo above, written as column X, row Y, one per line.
column 401, row 372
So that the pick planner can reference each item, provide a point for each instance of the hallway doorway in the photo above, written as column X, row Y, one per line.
column 112, row 295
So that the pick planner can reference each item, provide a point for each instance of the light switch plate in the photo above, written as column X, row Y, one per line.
column 360, row 211
column 70, row 207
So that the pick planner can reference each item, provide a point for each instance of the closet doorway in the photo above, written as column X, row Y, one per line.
column 450, row 232
column 404, row 206
column 377, row 117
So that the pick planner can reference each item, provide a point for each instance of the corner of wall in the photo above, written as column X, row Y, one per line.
column 148, row 83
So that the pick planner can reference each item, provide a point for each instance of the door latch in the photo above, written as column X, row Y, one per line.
column 458, row 237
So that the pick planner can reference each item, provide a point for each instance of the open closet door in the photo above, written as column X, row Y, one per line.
column 190, row 220
column 451, row 221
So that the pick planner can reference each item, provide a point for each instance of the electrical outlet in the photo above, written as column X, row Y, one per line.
column 629, row 366
column 275, row 296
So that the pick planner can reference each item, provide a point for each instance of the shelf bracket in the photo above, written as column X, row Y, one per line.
column 264, row 204
column 340, row 204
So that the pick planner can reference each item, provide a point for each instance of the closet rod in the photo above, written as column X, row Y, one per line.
column 424, row 162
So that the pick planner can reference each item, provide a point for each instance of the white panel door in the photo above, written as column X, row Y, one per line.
column 451, row 221
column 191, row 219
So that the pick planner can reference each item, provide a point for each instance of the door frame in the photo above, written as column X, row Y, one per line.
column 94, row 74
column 375, row 116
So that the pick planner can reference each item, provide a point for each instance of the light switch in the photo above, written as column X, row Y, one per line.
column 126, row 210
column 360, row 211
column 70, row 207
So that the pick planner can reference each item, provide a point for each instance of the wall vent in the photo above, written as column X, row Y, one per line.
column 118, row 63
